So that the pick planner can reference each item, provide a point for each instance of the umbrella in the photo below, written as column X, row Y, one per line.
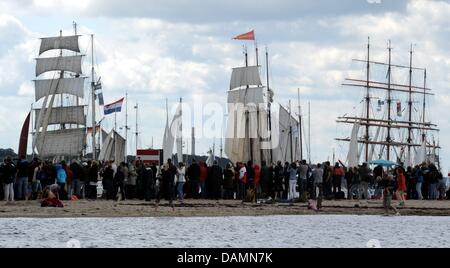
column 381, row 162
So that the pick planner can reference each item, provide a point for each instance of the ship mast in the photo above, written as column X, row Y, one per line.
column 94, row 123
column 410, row 103
column 367, row 101
column 269, row 104
column 389, row 101
column 300, row 125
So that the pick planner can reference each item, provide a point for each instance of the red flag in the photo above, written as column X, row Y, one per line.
column 246, row 36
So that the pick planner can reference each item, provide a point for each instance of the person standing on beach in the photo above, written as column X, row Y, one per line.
column 302, row 179
column 388, row 185
column 202, row 179
column 338, row 174
column 228, row 182
column 264, row 180
column 278, row 181
column 8, row 175
column 181, row 180
column 418, row 174
column 318, row 184
column 22, row 178
column 194, row 175
column 92, row 179
column 292, row 181
column 364, row 178
column 401, row 187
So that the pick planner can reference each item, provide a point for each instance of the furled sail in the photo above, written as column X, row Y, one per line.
column 172, row 132
column 66, row 142
column 65, row 115
column 353, row 151
column 245, row 76
column 68, row 63
column 119, row 147
column 71, row 86
column 60, row 42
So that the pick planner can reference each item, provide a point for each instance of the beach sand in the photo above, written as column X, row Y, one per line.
column 209, row 208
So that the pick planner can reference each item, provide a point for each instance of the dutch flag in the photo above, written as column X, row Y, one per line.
column 114, row 107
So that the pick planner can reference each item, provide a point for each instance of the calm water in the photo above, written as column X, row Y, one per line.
column 271, row 231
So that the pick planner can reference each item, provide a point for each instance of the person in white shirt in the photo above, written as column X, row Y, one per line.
column 181, row 180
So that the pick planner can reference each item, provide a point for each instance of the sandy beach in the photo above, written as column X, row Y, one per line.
column 208, row 208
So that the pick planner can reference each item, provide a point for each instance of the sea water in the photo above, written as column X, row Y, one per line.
column 254, row 232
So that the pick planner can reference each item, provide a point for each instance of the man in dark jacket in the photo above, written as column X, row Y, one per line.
column 22, row 178
column 108, row 181
column 91, row 189
column 119, row 182
column 8, row 172
column 148, row 182
column 215, row 177
column 264, row 180
column 193, row 176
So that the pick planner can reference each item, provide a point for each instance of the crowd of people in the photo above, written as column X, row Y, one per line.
column 288, row 182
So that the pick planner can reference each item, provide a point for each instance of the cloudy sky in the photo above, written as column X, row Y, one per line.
column 159, row 49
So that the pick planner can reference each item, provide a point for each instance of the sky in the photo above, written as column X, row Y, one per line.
column 162, row 49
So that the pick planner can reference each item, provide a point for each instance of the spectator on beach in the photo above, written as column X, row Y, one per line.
column 242, row 180
column 401, row 187
column 257, row 181
column 264, row 180
column 302, row 179
column 36, row 186
column 51, row 197
column 364, row 178
column 215, row 177
column 61, row 179
column 22, row 178
column 418, row 175
column 148, row 182
column 292, row 181
column 318, row 184
column 388, row 185
column 194, row 176
column 202, row 179
column 107, row 175
column 278, row 181
column 338, row 174
column 8, row 173
column 119, row 181
column 78, row 178
column 130, row 186
column 91, row 188
column 181, row 180
column 228, row 182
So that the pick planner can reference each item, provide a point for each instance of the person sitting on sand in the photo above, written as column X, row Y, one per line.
column 51, row 197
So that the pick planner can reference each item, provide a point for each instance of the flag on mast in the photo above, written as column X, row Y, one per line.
column 115, row 107
column 246, row 36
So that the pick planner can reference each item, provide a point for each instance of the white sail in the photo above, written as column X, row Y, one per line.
column 71, row 86
column 119, row 147
column 64, row 115
column 66, row 142
column 177, row 123
column 353, row 151
column 169, row 137
column 283, row 151
column 107, row 151
column 247, row 96
column 69, row 63
column 60, row 42
column 245, row 76
column 421, row 154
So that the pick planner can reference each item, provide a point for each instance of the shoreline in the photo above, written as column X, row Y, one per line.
column 210, row 208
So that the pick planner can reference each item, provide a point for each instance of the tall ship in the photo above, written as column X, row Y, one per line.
column 257, row 128
column 394, row 123
column 59, row 116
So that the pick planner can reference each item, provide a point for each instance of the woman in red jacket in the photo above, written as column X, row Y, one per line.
column 257, row 180
column 401, row 186
column 203, row 177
